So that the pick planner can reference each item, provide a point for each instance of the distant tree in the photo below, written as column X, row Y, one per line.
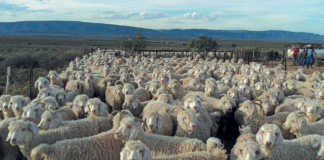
column 134, row 43
column 202, row 44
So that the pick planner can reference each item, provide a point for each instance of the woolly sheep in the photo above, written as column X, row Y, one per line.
column 26, row 136
column 115, row 97
column 274, row 146
column 17, row 103
column 41, row 83
column 79, row 104
column 4, row 105
column 55, row 79
column 157, row 120
column 95, row 107
column 250, row 114
column 33, row 111
column 50, row 103
column 297, row 124
column 133, row 104
column 97, row 147
column 130, row 129
column 135, row 150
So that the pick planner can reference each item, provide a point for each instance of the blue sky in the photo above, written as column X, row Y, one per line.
column 292, row 15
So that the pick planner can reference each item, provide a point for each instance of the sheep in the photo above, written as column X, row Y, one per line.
column 4, row 105
column 250, row 114
column 33, row 111
column 189, row 126
column 78, row 105
column 157, row 120
column 133, row 104
column 297, row 124
column 95, row 107
column 81, row 87
column 136, row 150
column 320, row 153
column 17, row 103
column 97, row 147
column 130, row 129
column 26, row 136
column 41, row 83
column 274, row 146
column 50, row 103
column 247, row 150
column 176, row 89
column 115, row 97
column 142, row 94
column 55, row 79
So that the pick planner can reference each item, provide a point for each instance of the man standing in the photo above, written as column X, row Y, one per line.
column 309, row 56
column 295, row 51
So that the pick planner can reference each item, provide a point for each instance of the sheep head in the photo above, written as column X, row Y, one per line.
column 152, row 122
column 21, row 132
column 135, row 150
column 17, row 103
column 194, row 103
column 48, row 121
column 4, row 102
column 133, row 104
column 50, row 103
column 295, row 122
column 42, row 82
column 79, row 104
column 248, row 151
column 129, row 128
column 187, row 120
column 268, row 136
column 128, row 89
column 95, row 107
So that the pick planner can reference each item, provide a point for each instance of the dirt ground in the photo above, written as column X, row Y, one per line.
column 292, row 67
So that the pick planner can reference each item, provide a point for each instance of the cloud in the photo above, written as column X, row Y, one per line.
column 295, row 15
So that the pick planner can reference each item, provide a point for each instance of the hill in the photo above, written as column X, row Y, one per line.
column 75, row 28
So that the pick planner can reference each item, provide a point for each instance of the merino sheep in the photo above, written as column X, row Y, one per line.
column 4, row 105
column 275, row 147
column 79, row 104
column 133, row 104
column 135, row 150
column 50, row 103
column 157, row 120
column 297, row 124
column 115, row 97
column 97, row 147
column 17, row 103
column 130, row 129
column 250, row 114
column 189, row 126
column 41, row 83
column 26, row 136
column 95, row 107
column 55, row 79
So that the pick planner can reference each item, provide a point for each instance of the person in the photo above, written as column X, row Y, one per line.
column 295, row 51
column 309, row 56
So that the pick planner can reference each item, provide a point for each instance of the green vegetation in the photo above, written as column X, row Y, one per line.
column 203, row 44
column 134, row 43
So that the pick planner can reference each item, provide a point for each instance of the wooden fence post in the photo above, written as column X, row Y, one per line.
column 8, row 79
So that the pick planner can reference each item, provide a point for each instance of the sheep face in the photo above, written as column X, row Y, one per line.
column 228, row 104
column 153, row 123
column 269, row 135
column 135, row 150
column 320, row 153
column 295, row 122
column 248, row 108
column 50, row 103
column 17, row 103
column 79, row 104
column 314, row 111
column 193, row 103
column 61, row 97
column 4, row 102
column 133, row 104
column 95, row 107
column 21, row 132
column 42, row 82
column 129, row 129
column 34, row 111
column 188, row 121
column 249, row 151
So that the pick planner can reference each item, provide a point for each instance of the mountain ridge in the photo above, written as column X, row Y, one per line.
column 77, row 28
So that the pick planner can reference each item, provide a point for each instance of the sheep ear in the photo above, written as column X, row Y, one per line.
column 36, row 84
column 33, row 128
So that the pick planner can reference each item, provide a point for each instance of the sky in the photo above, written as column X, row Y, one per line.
column 290, row 15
